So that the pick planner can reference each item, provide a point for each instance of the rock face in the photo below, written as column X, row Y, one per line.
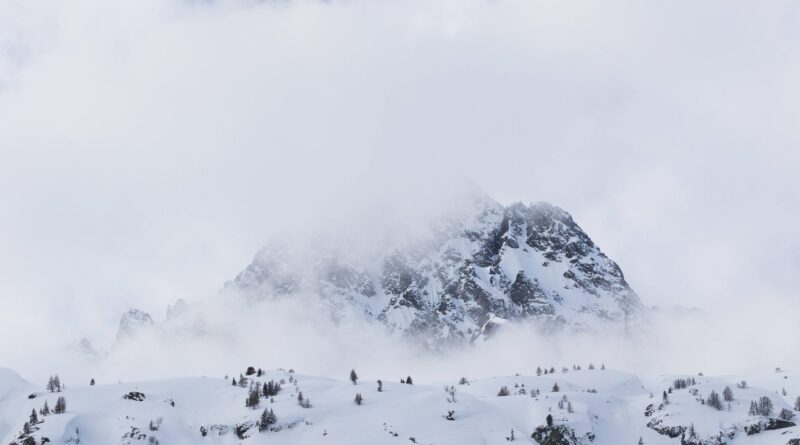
column 132, row 322
column 471, row 274
column 558, row 435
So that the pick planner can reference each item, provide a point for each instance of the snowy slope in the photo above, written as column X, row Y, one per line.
column 607, row 407
column 472, row 272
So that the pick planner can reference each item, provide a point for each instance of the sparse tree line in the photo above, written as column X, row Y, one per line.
column 763, row 406
column 564, row 369
column 37, row 417
column 521, row 390
column 683, row 383
column 267, row 421
column 257, row 391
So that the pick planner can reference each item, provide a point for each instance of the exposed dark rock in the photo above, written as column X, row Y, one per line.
column 767, row 425
column 671, row 431
column 135, row 396
column 557, row 435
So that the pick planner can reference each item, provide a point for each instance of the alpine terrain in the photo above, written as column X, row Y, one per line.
column 490, row 265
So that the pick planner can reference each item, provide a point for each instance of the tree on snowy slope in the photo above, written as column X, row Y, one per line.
column 61, row 406
column 253, row 397
column 267, row 419
column 714, row 400
column 54, row 384
column 304, row 402
column 727, row 394
column 786, row 415
column 271, row 389
column 762, row 407
column 353, row 376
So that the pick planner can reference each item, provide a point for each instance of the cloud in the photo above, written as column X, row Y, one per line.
column 148, row 148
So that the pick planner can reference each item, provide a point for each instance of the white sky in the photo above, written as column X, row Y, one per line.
column 148, row 148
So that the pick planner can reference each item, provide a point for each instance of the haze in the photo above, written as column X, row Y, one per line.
column 149, row 148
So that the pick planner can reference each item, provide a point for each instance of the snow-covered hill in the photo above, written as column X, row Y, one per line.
column 488, row 265
column 595, row 406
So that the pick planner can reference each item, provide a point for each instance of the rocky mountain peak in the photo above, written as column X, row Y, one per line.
column 495, row 263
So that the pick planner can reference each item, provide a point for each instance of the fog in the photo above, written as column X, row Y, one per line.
column 149, row 148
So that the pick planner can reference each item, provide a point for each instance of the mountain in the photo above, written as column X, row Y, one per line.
column 489, row 265
column 591, row 406
column 132, row 322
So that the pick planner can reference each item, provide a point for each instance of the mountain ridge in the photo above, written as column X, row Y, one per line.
column 514, row 262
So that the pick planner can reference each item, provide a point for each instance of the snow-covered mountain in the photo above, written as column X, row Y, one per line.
column 133, row 322
column 489, row 265
column 564, row 407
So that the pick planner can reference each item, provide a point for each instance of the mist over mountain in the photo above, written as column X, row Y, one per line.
column 201, row 198
column 470, row 273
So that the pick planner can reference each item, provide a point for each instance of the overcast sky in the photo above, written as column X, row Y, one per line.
column 148, row 148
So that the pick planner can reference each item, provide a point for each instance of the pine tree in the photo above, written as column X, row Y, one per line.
column 797, row 404
column 409, row 381
column 538, row 370
column 358, row 400
column 762, row 407
column 380, row 386
column 503, row 391
column 714, row 400
column 34, row 418
column 549, row 420
column 556, row 388
column 45, row 409
column 253, row 397
column 91, row 382
column 727, row 394
column 786, row 415
column 57, row 383
column 268, row 419
column 765, row 406
column 641, row 441
column 271, row 388
column 691, row 433
column 233, row 381
column 61, row 406
column 665, row 398
column 303, row 401
column 353, row 376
